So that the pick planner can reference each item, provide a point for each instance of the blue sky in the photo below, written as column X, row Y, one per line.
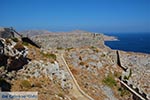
column 66, row 15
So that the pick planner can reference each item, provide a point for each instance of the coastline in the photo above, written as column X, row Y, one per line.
column 129, row 42
column 110, row 38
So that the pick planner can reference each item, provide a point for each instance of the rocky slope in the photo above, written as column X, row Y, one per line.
column 69, row 40
column 72, row 66
column 139, row 66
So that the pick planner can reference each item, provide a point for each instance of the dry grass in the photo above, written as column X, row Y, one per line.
column 109, row 80
column 47, row 89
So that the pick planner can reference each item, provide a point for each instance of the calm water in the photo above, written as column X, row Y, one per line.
column 136, row 42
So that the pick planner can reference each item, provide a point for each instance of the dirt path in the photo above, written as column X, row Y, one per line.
column 76, row 91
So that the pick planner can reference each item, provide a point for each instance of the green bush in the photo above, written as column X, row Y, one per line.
column 123, row 91
column 110, row 81
column 92, row 47
column 125, row 78
column 15, row 39
column 25, row 43
column 68, row 49
column 51, row 56
column 26, row 84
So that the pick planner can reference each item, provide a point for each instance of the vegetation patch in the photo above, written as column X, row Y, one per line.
column 25, row 84
column 50, row 56
column 82, row 63
column 117, row 74
column 123, row 91
column 92, row 47
column 127, row 77
column 15, row 39
column 25, row 43
column 68, row 49
column 110, row 80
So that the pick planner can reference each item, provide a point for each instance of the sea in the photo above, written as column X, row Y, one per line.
column 133, row 42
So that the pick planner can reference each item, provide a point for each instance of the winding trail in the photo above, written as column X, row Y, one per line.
column 77, row 91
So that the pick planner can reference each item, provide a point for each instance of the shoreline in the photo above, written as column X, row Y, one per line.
column 110, row 38
column 125, row 45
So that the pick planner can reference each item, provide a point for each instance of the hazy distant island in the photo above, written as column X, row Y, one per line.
column 74, row 65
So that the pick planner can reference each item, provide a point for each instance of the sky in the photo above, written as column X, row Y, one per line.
column 67, row 15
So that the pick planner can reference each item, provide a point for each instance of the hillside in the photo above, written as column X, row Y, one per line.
column 74, row 66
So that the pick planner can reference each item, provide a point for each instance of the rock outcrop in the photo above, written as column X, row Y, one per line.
column 6, row 33
column 12, row 54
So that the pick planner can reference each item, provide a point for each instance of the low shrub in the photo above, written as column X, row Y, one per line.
column 123, row 91
column 51, row 56
column 26, row 84
column 110, row 80
column 15, row 39
column 25, row 43
column 82, row 63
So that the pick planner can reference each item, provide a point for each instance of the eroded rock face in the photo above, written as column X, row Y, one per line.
column 12, row 54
